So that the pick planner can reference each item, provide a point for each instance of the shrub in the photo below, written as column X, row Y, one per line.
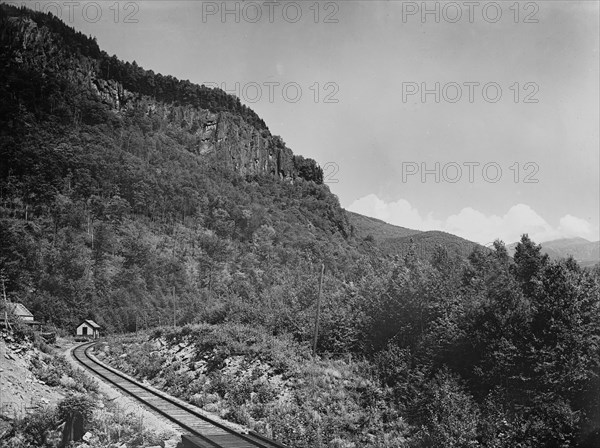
column 76, row 404
column 449, row 415
column 21, row 331
column 35, row 428
column 41, row 345
column 57, row 371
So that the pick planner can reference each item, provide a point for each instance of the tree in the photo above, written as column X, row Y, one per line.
column 529, row 261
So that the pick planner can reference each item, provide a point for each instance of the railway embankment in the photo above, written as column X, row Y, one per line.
column 269, row 384
column 200, row 429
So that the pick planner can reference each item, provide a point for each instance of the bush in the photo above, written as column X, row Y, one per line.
column 42, row 346
column 449, row 415
column 21, row 331
column 35, row 428
column 76, row 404
column 58, row 372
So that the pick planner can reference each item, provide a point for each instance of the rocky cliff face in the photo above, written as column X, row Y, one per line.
column 234, row 142
column 223, row 135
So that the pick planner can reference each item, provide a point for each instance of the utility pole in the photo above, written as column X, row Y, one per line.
column 5, row 301
column 316, row 333
column 174, row 307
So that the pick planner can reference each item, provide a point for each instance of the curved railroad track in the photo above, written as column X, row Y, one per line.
column 203, row 431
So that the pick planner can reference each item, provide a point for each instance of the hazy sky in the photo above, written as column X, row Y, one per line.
column 342, row 82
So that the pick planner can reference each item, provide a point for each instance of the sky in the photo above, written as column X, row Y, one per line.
column 480, row 119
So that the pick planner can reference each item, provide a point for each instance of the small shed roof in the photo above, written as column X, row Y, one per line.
column 18, row 309
column 91, row 323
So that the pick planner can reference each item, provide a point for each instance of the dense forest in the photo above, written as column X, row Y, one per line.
column 106, row 213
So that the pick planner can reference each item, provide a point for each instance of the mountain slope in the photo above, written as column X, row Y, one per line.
column 399, row 241
column 378, row 230
column 119, row 205
column 424, row 244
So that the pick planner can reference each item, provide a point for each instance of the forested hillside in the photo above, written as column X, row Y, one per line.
column 398, row 241
column 376, row 230
column 113, row 204
column 139, row 200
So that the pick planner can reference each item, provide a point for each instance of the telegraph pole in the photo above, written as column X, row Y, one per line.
column 174, row 307
column 316, row 333
column 3, row 278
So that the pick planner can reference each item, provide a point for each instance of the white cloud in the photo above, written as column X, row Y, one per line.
column 519, row 219
column 571, row 226
column 400, row 213
column 475, row 225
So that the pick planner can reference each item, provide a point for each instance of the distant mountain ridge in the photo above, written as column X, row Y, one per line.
column 586, row 253
column 397, row 240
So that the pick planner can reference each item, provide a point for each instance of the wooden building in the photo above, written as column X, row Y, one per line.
column 88, row 329
column 19, row 310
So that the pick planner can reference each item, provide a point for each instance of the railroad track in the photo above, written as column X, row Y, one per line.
column 203, row 431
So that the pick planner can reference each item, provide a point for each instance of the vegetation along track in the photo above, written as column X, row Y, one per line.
column 203, row 431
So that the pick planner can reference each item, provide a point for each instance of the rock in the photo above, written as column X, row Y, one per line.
column 171, row 443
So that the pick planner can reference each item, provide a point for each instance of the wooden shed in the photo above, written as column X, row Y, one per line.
column 88, row 328
column 20, row 311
